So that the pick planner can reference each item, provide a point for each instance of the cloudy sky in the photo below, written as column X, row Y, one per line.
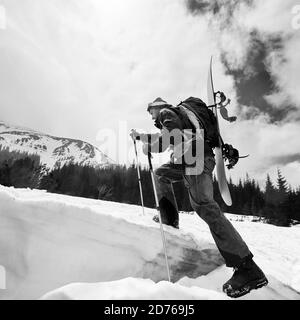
column 82, row 68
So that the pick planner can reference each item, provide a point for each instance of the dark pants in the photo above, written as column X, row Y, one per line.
column 200, row 188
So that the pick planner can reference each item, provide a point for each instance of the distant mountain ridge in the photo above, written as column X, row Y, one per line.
column 53, row 151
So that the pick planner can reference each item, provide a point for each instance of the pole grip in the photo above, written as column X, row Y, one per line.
column 139, row 175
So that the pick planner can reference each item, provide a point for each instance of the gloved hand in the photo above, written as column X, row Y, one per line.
column 134, row 134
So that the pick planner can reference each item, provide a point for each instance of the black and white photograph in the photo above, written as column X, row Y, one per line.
column 150, row 151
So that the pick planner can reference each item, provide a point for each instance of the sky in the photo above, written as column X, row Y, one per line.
column 87, row 69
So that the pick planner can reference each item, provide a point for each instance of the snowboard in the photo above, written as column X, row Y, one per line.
column 220, row 166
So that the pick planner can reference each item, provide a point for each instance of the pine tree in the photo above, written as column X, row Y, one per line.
column 270, row 193
column 281, row 184
column 282, row 209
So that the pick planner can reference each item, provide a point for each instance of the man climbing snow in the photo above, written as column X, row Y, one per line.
column 247, row 275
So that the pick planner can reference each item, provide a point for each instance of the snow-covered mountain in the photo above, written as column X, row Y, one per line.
column 62, row 247
column 53, row 151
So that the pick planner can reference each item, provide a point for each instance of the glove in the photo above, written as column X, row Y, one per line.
column 134, row 134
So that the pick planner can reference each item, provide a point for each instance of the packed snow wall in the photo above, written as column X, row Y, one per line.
column 48, row 241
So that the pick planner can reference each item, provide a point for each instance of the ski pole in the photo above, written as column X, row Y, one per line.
column 175, row 201
column 139, row 175
column 159, row 215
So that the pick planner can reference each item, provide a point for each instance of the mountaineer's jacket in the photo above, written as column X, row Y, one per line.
column 167, row 121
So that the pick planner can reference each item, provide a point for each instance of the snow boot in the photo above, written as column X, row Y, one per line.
column 168, row 212
column 246, row 277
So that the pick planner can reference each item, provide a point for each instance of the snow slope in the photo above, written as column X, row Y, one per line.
column 60, row 247
column 53, row 151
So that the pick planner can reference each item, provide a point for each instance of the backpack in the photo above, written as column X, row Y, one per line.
column 206, row 119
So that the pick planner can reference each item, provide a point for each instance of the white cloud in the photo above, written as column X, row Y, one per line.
column 100, row 55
